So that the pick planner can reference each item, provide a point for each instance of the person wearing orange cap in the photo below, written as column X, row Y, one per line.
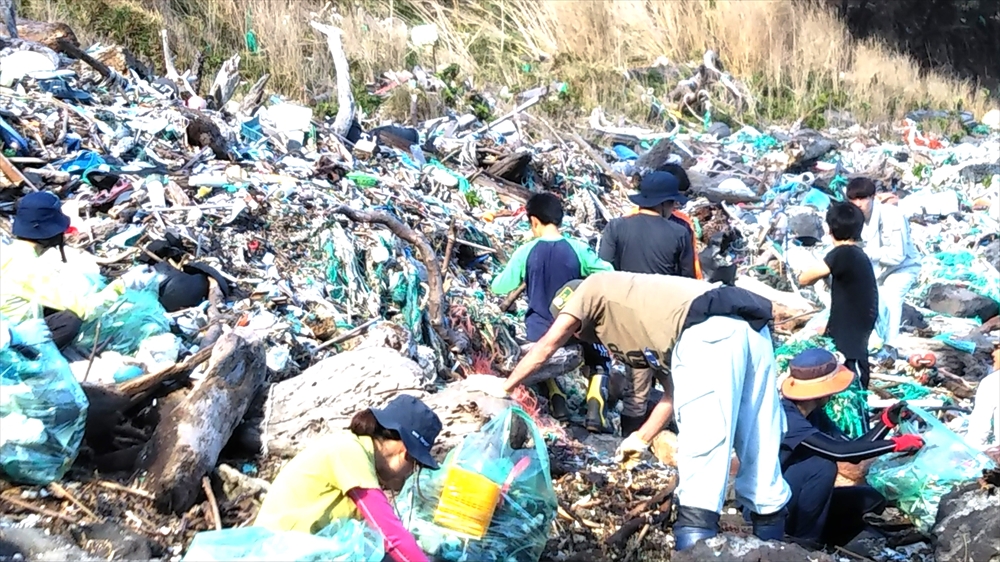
column 813, row 445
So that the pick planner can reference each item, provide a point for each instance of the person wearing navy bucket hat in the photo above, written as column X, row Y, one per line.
column 342, row 475
column 29, row 287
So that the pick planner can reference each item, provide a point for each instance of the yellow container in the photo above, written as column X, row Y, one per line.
column 467, row 502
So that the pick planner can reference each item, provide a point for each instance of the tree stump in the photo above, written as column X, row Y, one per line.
column 187, row 441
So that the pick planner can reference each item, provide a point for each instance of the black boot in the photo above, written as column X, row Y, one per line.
column 694, row 524
column 769, row 527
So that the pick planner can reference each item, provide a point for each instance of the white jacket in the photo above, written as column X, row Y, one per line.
column 886, row 240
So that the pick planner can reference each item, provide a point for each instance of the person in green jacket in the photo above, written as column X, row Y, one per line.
column 544, row 265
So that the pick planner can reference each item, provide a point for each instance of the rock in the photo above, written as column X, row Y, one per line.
column 111, row 541
column 326, row 395
column 991, row 253
column 665, row 447
column 960, row 302
column 35, row 544
column 731, row 548
column 968, row 525
column 913, row 318
column 720, row 130
column 236, row 485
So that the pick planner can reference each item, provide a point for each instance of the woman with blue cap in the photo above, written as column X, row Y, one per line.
column 342, row 475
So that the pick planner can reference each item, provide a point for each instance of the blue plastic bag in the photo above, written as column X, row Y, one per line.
column 918, row 482
column 511, row 452
column 347, row 539
column 126, row 322
column 43, row 410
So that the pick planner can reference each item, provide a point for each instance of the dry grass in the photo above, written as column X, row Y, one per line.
column 796, row 57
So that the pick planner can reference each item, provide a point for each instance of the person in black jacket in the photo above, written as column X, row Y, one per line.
column 812, row 446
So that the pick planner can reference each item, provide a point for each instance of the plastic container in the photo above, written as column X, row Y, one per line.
column 467, row 503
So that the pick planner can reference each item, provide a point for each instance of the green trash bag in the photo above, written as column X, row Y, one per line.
column 918, row 482
column 43, row 409
column 125, row 322
column 507, row 461
column 347, row 539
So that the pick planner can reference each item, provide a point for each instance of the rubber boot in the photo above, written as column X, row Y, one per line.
column 597, row 395
column 558, row 406
column 693, row 525
column 769, row 527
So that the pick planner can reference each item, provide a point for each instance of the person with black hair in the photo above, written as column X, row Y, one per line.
column 38, row 280
column 853, row 291
column 341, row 476
column 885, row 238
column 545, row 264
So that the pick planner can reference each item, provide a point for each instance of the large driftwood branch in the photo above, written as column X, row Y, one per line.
column 345, row 98
column 168, row 58
column 225, row 82
column 425, row 253
column 187, row 441
column 255, row 96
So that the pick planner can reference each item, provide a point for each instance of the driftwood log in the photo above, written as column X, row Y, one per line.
column 187, row 441
column 225, row 82
column 971, row 367
column 425, row 253
column 45, row 33
column 255, row 96
column 345, row 97
column 563, row 361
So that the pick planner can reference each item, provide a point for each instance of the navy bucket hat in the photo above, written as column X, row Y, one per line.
column 656, row 188
column 418, row 426
column 39, row 216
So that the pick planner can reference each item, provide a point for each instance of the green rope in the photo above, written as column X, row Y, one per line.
column 849, row 409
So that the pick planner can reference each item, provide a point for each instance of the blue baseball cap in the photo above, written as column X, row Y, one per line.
column 39, row 216
column 418, row 426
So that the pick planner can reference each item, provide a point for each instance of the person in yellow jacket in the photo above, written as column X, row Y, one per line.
column 342, row 475
column 37, row 279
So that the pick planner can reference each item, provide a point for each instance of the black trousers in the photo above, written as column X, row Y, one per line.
column 820, row 512
column 64, row 325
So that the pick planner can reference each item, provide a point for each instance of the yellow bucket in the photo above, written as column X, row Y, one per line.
column 467, row 502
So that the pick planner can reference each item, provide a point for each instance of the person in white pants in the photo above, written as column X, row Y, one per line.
column 718, row 347
column 886, row 240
